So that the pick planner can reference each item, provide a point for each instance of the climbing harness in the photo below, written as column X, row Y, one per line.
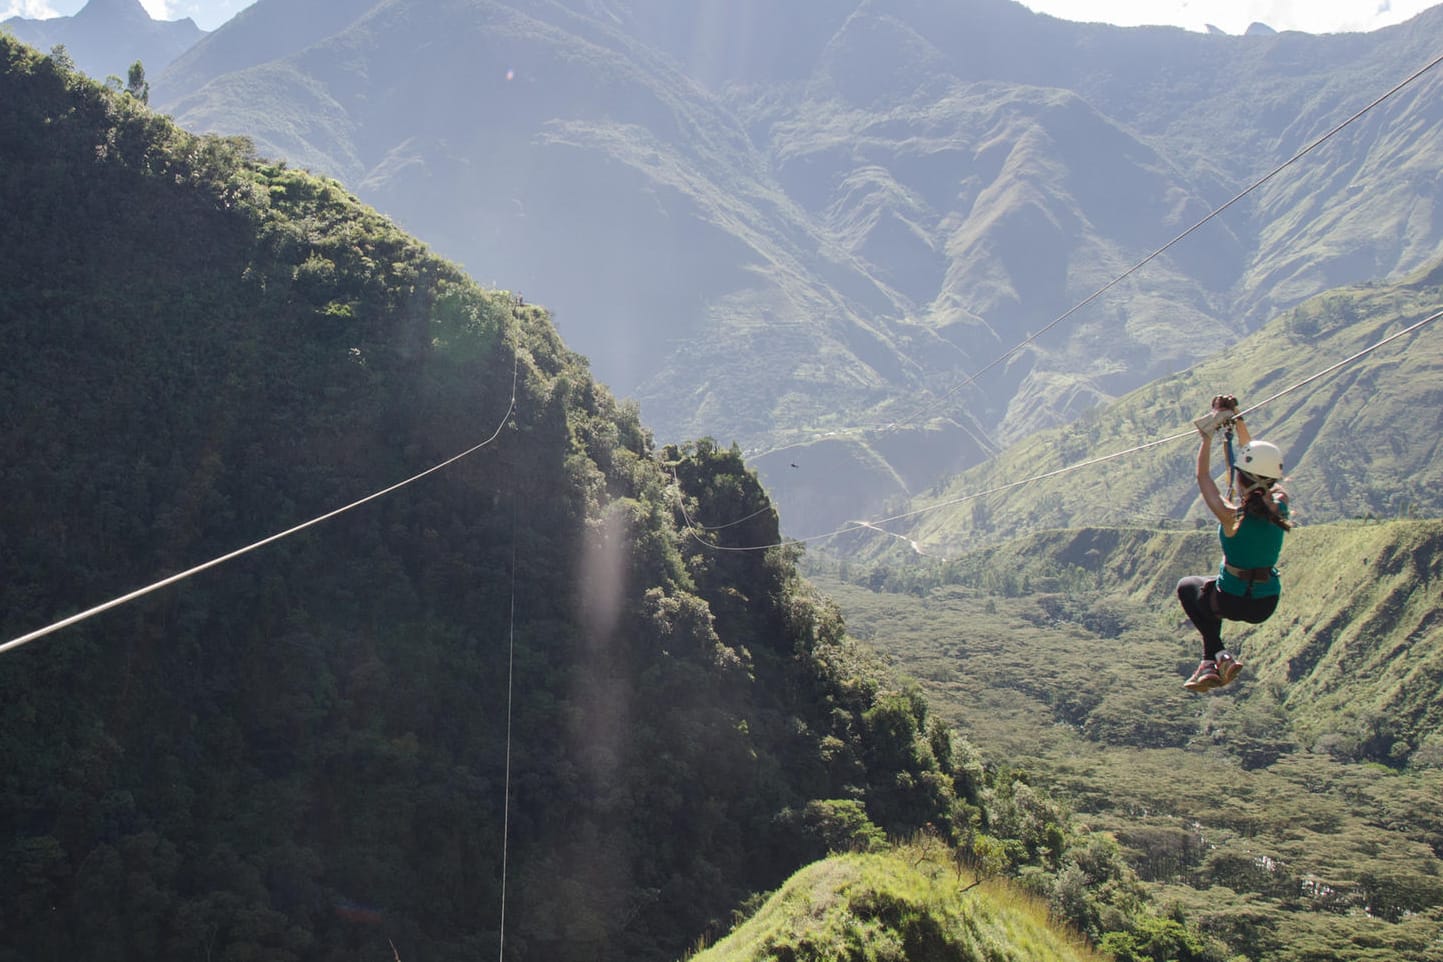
column 1250, row 575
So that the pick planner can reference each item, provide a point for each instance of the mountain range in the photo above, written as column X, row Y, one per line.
column 836, row 234
column 107, row 36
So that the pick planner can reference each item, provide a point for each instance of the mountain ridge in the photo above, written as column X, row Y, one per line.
column 106, row 36
column 910, row 900
column 762, row 238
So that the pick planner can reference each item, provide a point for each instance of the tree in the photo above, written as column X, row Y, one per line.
column 1156, row 939
column 136, row 85
column 61, row 58
column 839, row 824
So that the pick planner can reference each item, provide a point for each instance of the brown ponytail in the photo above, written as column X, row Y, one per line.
column 1260, row 503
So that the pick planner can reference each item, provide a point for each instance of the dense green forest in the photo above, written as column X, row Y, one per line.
column 302, row 754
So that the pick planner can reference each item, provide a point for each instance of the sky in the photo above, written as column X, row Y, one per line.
column 207, row 14
column 1232, row 16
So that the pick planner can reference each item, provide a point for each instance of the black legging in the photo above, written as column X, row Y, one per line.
column 1206, row 608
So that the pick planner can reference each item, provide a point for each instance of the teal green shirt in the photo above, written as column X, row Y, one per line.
column 1256, row 544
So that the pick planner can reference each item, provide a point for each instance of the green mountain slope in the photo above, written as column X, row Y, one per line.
column 784, row 226
column 1361, row 652
column 905, row 904
column 1359, row 442
column 1357, row 646
column 1292, row 815
column 303, row 753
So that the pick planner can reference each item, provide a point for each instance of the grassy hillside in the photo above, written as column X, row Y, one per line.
column 910, row 903
column 1357, row 641
column 1359, row 442
column 1360, row 650
column 1292, row 814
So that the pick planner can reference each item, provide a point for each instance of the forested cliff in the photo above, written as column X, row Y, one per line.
column 303, row 753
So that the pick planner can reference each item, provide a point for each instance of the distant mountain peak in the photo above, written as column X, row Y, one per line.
column 114, row 11
column 106, row 36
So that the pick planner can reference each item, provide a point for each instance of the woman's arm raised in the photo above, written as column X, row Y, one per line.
column 1212, row 497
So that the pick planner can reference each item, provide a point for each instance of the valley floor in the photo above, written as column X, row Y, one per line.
column 1265, row 818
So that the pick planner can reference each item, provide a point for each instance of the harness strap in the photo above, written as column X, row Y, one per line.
column 1228, row 450
column 1249, row 575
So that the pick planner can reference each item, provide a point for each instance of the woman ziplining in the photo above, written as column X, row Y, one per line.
column 1246, row 586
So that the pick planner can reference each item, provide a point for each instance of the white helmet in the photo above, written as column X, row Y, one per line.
column 1261, row 460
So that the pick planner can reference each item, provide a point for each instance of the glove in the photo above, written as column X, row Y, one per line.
column 1224, row 409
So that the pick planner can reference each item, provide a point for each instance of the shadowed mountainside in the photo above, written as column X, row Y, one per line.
column 316, row 750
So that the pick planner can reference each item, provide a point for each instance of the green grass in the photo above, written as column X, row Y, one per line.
column 912, row 902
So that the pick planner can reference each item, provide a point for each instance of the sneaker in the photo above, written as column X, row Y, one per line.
column 1228, row 667
column 1205, row 678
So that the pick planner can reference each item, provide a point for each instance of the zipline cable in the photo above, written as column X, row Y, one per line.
column 214, row 562
column 733, row 524
column 877, row 524
column 1345, row 361
column 972, row 378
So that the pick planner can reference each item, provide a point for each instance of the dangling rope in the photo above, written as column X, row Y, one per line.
column 510, row 674
column 214, row 562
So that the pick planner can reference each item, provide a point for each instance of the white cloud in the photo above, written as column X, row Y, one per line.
column 30, row 9
column 1234, row 16
column 45, row 9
